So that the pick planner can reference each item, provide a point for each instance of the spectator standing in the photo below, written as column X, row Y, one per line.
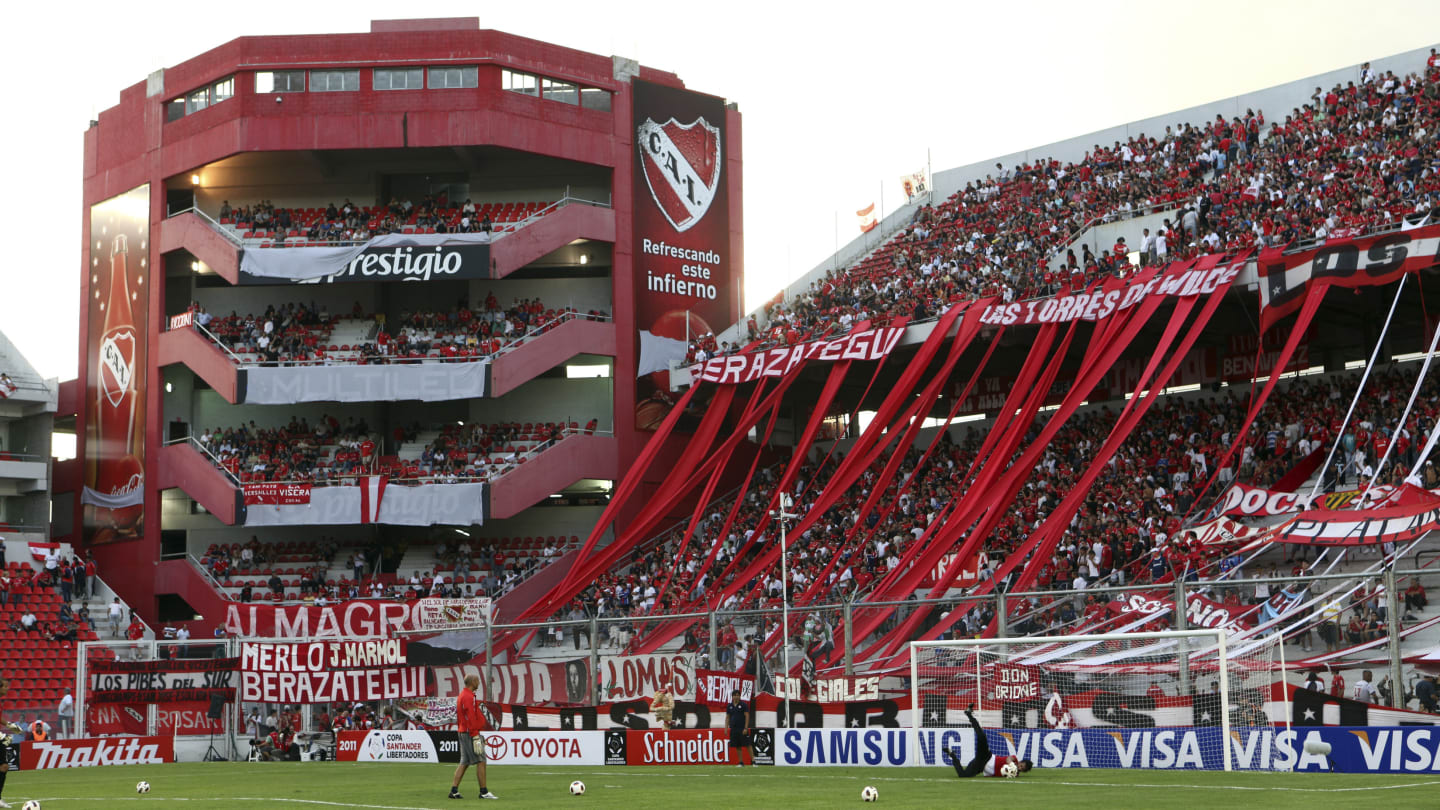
column 66, row 712
column 117, row 614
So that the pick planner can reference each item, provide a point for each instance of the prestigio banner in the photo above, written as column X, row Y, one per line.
column 118, row 314
column 686, row 281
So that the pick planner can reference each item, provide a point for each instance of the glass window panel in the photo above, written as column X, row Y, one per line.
column 175, row 110
column 264, row 82
column 223, row 89
column 593, row 98
column 197, row 101
column 563, row 92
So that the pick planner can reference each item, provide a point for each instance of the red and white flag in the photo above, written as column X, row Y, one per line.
column 7, row 387
column 372, row 489
column 867, row 218
column 39, row 551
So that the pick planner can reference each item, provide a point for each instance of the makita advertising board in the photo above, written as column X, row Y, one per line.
column 102, row 751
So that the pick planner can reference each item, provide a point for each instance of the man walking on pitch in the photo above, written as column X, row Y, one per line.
column 984, row 763
column 470, row 721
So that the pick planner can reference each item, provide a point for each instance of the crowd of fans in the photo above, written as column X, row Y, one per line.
column 295, row 332
column 297, row 451
column 1354, row 160
column 1128, row 531
column 349, row 223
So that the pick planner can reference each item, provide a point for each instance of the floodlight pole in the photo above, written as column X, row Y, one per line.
column 786, row 502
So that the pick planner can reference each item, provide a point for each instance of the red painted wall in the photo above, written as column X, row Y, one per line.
column 132, row 144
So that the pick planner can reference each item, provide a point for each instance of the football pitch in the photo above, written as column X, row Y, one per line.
column 241, row 785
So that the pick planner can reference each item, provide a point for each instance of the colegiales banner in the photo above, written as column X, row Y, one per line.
column 87, row 752
column 1285, row 279
column 389, row 257
column 873, row 344
column 162, row 681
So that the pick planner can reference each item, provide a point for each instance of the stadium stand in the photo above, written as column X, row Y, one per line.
column 265, row 225
column 1353, row 161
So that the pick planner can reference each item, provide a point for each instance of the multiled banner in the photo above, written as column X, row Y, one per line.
column 686, row 281
column 426, row 382
column 113, row 490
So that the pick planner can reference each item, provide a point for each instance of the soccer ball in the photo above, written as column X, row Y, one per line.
column 32, row 805
column 142, row 787
column 577, row 788
column 1009, row 770
column 869, row 794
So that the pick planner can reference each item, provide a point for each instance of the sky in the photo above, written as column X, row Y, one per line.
column 837, row 100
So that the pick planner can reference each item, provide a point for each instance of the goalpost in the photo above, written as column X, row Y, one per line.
column 1195, row 699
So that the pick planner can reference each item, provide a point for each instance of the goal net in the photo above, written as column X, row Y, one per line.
column 1172, row 700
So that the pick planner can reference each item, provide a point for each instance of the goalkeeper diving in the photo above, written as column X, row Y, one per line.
column 984, row 763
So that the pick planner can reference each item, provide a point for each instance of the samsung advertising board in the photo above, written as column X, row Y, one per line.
column 1370, row 749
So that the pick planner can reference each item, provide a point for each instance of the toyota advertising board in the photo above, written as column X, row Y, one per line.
column 501, row 747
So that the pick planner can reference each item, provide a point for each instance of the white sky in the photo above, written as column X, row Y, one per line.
column 837, row 98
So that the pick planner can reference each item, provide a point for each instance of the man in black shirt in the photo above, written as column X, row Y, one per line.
column 738, row 718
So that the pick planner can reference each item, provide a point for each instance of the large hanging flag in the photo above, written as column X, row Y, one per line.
column 867, row 218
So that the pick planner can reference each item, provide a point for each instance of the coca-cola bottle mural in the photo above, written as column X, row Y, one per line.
column 115, row 493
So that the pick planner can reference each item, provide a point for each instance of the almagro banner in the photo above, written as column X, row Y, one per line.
column 392, row 257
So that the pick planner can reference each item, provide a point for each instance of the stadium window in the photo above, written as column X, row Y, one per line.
column 523, row 83
column 280, row 81
column 222, row 90
column 174, row 110
column 334, row 81
column 399, row 78
column 444, row 78
column 563, row 92
column 197, row 101
column 593, row 98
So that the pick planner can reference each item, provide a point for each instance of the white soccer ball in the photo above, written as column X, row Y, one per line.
column 32, row 805
column 869, row 794
column 142, row 787
column 577, row 788
column 1009, row 770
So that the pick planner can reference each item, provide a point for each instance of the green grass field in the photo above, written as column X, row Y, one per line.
column 197, row 786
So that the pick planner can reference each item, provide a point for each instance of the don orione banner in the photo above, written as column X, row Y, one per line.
column 117, row 311
column 687, row 282
column 327, row 672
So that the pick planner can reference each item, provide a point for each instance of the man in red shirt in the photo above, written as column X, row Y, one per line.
column 470, row 722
